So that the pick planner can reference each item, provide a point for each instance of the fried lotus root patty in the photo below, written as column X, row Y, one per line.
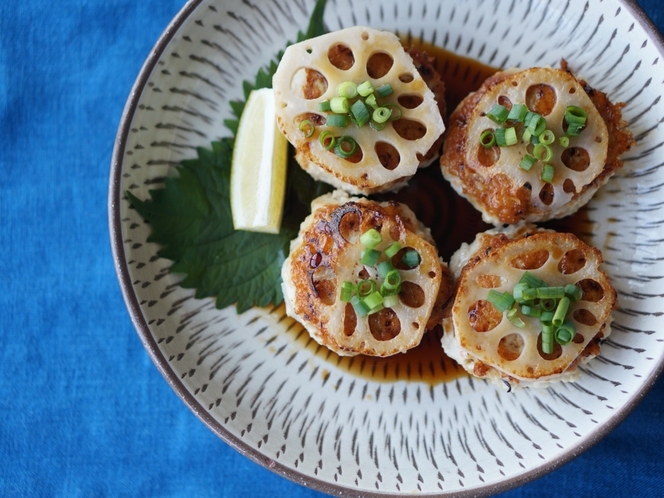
column 310, row 72
column 491, row 179
column 327, row 253
column 487, row 344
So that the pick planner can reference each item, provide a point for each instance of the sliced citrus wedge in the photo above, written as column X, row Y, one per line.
column 258, row 169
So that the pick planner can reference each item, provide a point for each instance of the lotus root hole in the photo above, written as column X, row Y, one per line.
column 530, row 260
column 415, row 325
column 578, row 339
column 308, row 83
column 483, row 316
column 350, row 227
column 505, row 102
column 510, row 347
column 395, row 232
column 316, row 119
column 554, row 355
column 341, row 57
column 398, row 262
column 585, row 317
column 325, row 283
column 308, row 50
column 432, row 274
column 379, row 64
column 592, row 291
column 350, row 320
column 571, row 262
column 409, row 129
column 489, row 281
column 541, row 98
column 568, row 186
column 488, row 156
column 388, row 155
column 572, row 90
column 410, row 100
column 411, row 295
column 546, row 194
column 576, row 158
column 598, row 140
column 384, row 325
column 365, row 36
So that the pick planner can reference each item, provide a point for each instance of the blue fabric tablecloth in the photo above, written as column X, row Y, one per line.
column 79, row 395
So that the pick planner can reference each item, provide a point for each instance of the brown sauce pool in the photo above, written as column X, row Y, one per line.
column 452, row 221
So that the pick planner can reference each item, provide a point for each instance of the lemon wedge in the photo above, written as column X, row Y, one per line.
column 258, row 168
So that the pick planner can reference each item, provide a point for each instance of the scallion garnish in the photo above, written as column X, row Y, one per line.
column 391, row 301
column 547, row 338
column 411, row 258
column 307, row 127
column 573, row 292
column 543, row 152
column 564, row 141
column 373, row 299
column 385, row 267
column 337, row 120
column 532, row 280
column 384, row 90
column 546, row 316
column 323, row 139
column 360, row 112
column 547, row 173
column 535, row 123
column 517, row 113
column 347, row 89
column 392, row 280
column 505, row 137
column 369, row 257
column 502, row 302
column 365, row 89
column 561, row 311
column 527, row 162
column 488, row 138
column 575, row 115
column 498, row 114
column 394, row 248
column 371, row 238
column 381, row 115
column 396, row 111
column 365, row 287
column 371, row 101
column 550, row 292
column 361, row 309
column 346, row 293
column 531, row 311
column 565, row 333
column 574, row 129
column 346, row 147
column 325, row 106
column 547, row 137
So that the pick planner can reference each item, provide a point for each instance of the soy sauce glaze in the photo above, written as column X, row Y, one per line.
column 452, row 221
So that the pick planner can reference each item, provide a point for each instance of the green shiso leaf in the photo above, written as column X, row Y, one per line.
column 191, row 217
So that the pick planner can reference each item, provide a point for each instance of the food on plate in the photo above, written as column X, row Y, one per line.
column 364, row 277
column 533, row 145
column 530, row 306
column 357, row 110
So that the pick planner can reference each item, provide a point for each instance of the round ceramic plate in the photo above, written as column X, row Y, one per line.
column 412, row 424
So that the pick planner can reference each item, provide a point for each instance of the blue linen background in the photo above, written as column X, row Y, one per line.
column 84, row 412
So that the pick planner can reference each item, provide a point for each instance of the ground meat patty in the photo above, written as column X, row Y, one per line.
column 491, row 179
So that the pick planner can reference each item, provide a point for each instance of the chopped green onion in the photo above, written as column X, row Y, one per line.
column 347, row 89
column 385, row 267
column 339, row 149
column 377, row 126
column 547, row 173
column 361, row 309
column 546, row 317
column 548, row 304
column 502, row 302
column 371, row 238
column 371, row 101
column 373, row 299
column 575, row 115
column 505, row 137
column 347, row 289
column 547, row 338
column 392, row 280
column 389, row 292
column 376, row 309
column 365, row 288
column 543, row 152
column 516, row 321
column 411, row 258
column 565, row 333
column 391, row 301
column 551, row 292
column 564, row 141
column 487, row 138
column 369, row 257
column 381, row 115
column 526, row 136
column 527, row 162
column 339, row 105
column 535, row 123
column 531, row 311
column 324, row 106
column 307, row 127
column 573, row 292
column 547, row 137
column 384, row 90
column 561, row 311
column 360, row 112
column 534, row 140
column 365, row 89
column 532, row 280
column 517, row 292
column 529, row 294
column 322, row 138
column 517, row 113
column 574, row 129
column 338, row 120
column 498, row 114
column 394, row 248
column 393, row 107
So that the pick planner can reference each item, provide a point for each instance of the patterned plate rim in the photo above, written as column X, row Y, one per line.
column 143, row 329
